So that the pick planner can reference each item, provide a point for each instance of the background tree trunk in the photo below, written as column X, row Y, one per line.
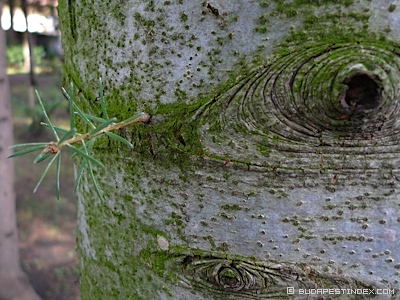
column 13, row 282
column 29, row 57
column 12, row 35
column 270, row 161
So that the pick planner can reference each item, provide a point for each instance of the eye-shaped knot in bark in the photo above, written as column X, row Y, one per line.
column 325, row 99
column 258, row 280
column 229, row 275
column 364, row 92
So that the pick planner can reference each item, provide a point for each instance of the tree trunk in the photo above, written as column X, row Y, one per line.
column 29, row 47
column 12, row 35
column 271, row 158
column 13, row 283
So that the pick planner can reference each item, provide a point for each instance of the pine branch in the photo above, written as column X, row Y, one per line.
column 70, row 137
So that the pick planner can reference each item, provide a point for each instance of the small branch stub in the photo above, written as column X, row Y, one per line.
column 145, row 118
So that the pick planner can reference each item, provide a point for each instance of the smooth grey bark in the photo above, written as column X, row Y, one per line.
column 271, row 158
column 14, row 284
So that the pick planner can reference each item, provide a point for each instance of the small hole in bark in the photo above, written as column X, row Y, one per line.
column 364, row 92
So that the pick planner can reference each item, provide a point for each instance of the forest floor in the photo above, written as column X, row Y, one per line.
column 47, row 226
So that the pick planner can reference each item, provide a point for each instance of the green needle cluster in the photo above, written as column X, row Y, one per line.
column 84, row 142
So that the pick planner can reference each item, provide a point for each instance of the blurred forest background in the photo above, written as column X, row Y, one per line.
column 47, row 227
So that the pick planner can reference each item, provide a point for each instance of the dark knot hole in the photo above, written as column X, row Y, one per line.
column 364, row 92
column 229, row 277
